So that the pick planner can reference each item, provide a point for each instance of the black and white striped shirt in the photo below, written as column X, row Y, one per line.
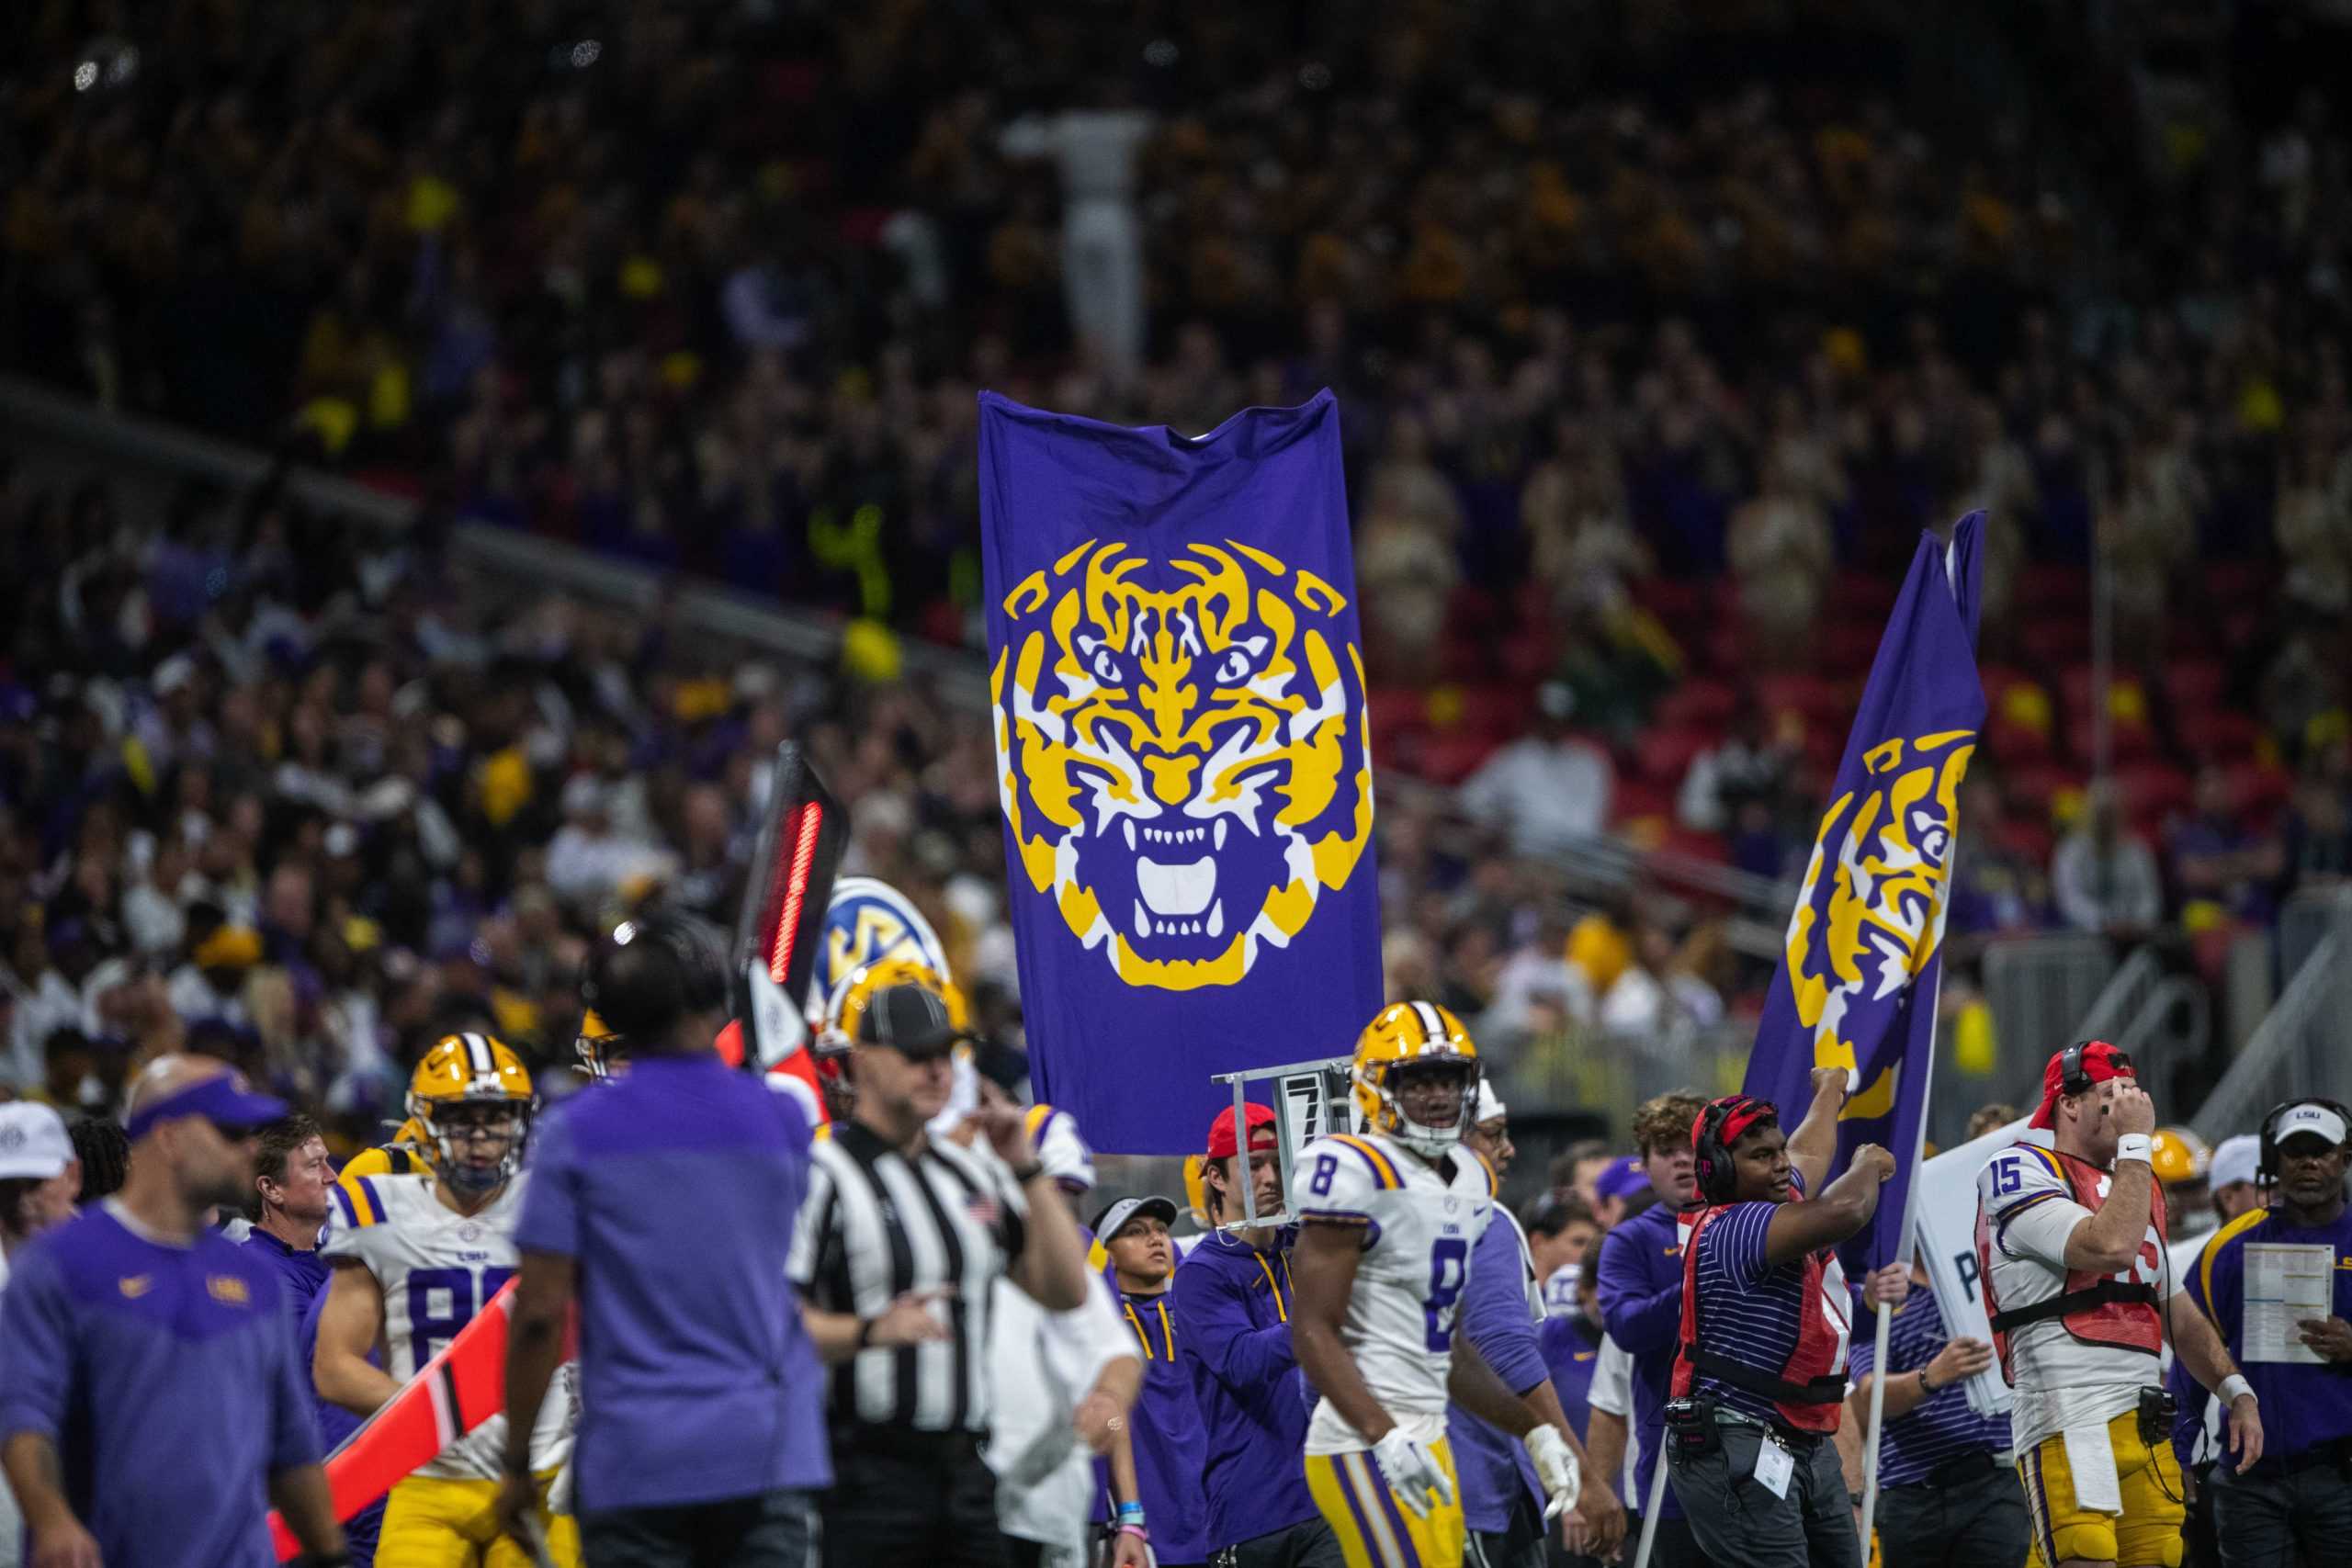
column 877, row 1224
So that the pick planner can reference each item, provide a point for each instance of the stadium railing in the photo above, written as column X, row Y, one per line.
column 2298, row 1049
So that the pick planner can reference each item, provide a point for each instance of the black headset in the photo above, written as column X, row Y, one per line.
column 1711, row 1156
column 2267, row 1170
column 2073, row 1077
column 653, row 971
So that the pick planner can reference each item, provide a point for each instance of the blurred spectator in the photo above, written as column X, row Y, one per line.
column 2318, row 830
column 1750, row 767
column 1548, row 790
column 2216, row 859
column 2104, row 875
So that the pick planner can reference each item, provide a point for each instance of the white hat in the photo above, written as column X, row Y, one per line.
column 32, row 1141
column 2238, row 1159
column 2309, row 1116
column 1491, row 1104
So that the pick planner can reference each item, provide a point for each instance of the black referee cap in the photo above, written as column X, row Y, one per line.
column 911, row 1020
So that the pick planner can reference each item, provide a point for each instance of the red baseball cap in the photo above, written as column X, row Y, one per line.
column 1221, row 1140
column 2101, row 1062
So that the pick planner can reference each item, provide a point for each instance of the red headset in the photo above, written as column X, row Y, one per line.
column 1720, row 1124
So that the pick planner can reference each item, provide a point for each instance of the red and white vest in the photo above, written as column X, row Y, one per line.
column 1808, row 1391
column 2120, row 1310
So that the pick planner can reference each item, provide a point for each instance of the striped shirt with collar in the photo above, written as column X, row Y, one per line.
column 878, row 1223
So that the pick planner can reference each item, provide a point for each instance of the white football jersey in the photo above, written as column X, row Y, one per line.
column 1421, row 1224
column 2059, row 1381
column 437, row 1268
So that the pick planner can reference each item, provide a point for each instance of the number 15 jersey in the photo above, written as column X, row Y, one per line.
column 437, row 1268
column 1419, row 1222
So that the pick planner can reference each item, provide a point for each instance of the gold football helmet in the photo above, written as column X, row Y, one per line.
column 472, row 1099
column 2179, row 1154
column 838, row 1029
column 1403, row 1038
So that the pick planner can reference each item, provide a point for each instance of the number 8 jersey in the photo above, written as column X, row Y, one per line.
column 1420, row 1222
column 436, row 1269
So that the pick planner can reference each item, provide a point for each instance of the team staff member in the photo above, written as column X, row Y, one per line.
column 39, row 1175
column 1233, row 1298
column 1639, row 1286
column 700, row 1432
column 1949, row 1494
column 150, row 1406
column 2069, row 1238
column 1767, row 1315
column 2297, row 1501
column 292, row 1175
column 1166, row 1444
column 1561, row 1232
column 899, row 1245
column 1503, row 1498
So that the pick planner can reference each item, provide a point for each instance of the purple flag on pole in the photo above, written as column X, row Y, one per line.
column 1857, row 983
column 1179, row 707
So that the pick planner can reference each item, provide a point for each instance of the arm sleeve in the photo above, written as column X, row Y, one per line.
column 812, row 1231
column 1494, row 1310
column 1612, row 1380
column 550, row 1221
column 1642, row 1320
column 2030, row 1207
column 1334, row 1182
column 293, row 1416
column 36, row 1348
column 1251, row 1363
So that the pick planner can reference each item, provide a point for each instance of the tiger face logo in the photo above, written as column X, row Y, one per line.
column 1184, row 769
column 1870, row 908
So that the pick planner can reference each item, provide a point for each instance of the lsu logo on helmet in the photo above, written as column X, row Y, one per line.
column 868, row 923
column 1184, row 769
column 1870, row 906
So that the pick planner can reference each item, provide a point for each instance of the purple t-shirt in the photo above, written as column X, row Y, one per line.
column 676, row 1188
column 165, row 1376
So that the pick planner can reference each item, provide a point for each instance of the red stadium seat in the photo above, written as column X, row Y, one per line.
column 1865, row 596
column 1701, row 701
column 1639, row 799
column 2054, row 591
column 2260, row 788
column 2032, row 785
column 1452, row 757
column 2058, row 640
column 2150, row 791
column 1664, row 754
column 2218, row 734
column 2193, row 683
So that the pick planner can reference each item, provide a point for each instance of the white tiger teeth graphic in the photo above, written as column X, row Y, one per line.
column 1129, row 824
column 1220, row 841
column 1143, row 920
column 1216, row 910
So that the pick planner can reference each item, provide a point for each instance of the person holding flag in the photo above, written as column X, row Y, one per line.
column 1760, row 1376
column 2070, row 1243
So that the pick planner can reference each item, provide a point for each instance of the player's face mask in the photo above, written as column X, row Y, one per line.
column 478, row 1146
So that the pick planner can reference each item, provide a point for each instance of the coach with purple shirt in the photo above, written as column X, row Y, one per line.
column 701, row 1434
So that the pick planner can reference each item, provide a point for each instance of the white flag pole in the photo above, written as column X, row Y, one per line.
column 1657, row 1503
column 1902, row 1250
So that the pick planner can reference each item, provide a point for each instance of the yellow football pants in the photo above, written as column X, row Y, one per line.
column 433, row 1523
column 1373, row 1532
column 2145, row 1535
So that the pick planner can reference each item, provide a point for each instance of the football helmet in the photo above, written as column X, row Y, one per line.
column 2179, row 1154
column 592, row 1045
column 837, row 1029
column 466, row 1086
column 1403, row 1039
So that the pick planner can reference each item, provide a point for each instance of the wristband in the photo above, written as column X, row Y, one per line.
column 2233, row 1385
column 865, row 1332
column 1925, row 1386
column 1138, row 1532
column 1025, row 1174
column 1131, row 1513
column 2134, row 1146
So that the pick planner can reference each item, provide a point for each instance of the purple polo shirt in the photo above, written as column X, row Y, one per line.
column 676, row 1188
column 165, row 1376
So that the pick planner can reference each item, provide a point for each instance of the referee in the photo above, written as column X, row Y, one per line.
column 899, row 1242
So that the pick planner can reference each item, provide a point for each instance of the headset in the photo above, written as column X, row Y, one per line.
column 1711, row 1151
column 2074, row 1079
column 2267, row 1169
